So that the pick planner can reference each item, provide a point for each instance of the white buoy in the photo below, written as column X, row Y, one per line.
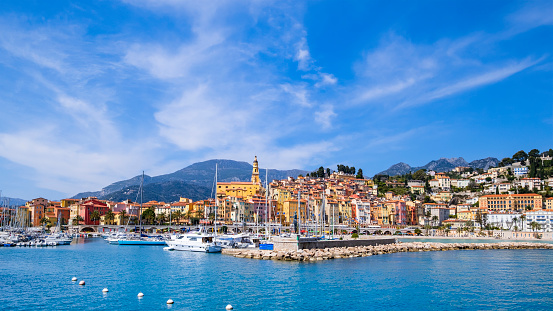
column 140, row 295
column 229, row 307
column 170, row 301
column 74, row 279
column 81, row 283
column 105, row 290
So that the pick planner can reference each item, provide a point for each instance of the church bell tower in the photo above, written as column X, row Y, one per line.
column 255, row 172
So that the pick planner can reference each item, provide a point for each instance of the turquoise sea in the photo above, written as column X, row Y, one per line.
column 40, row 279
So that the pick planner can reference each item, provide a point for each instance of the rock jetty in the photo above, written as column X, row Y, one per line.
column 364, row 251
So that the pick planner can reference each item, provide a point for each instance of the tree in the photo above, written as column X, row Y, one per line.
column 481, row 219
column 522, row 219
column 44, row 221
column 149, row 215
column 109, row 217
column 95, row 216
column 77, row 219
column 507, row 161
column 359, row 174
column 435, row 220
column 177, row 216
column 420, row 175
column 161, row 218
column 123, row 216
column 534, row 153
column 535, row 226
column 520, row 156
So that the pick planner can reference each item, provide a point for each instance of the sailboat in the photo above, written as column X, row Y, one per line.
column 140, row 239
column 197, row 241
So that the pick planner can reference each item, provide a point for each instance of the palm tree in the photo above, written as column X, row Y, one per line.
column 513, row 222
column 535, row 226
column 44, row 221
column 95, row 216
column 435, row 220
column 77, row 219
column 109, row 217
column 149, row 215
column 161, row 219
column 177, row 216
column 122, row 217
column 522, row 220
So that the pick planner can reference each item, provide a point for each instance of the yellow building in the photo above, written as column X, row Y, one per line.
column 466, row 215
column 244, row 190
column 290, row 209
column 548, row 203
column 442, row 196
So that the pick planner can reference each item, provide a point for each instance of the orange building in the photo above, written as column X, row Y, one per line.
column 511, row 202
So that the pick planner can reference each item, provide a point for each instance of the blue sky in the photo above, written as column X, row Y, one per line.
column 92, row 92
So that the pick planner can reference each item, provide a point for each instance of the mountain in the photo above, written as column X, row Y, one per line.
column 397, row 169
column 440, row 165
column 194, row 182
column 5, row 201
column 484, row 163
column 169, row 191
column 444, row 165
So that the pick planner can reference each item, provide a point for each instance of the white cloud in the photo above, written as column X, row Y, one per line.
column 197, row 120
column 67, row 167
column 403, row 74
column 492, row 76
column 325, row 116
column 299, row 94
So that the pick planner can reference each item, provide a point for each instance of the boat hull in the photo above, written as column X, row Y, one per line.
column 195, row 248
column 139, row 242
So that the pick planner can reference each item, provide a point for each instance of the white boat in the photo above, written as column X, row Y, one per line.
column 235, row 241
column 194, row 242
column 142, row 241
column 58, row 239
column 115, row 237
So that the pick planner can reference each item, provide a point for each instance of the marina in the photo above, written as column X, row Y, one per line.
column 435, row 280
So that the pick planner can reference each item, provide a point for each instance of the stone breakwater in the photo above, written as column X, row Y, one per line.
column 364, row 251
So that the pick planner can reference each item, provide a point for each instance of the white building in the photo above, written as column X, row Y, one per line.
column 362, row 211
column 460, row 183
column 543, row 217
column 504, row 220
column 532, row 183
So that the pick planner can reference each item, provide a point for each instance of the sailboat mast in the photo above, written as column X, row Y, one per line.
column 216, row 200
column 299, row 212
column 140, row 208
column 267, row 218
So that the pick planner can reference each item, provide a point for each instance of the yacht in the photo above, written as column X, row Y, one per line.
column 194, row 242
column 235, row 241
column 58, row 238
column 142, row 240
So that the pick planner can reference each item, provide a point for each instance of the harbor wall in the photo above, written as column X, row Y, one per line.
column 311, row 243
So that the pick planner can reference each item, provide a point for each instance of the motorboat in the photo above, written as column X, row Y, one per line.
column 58, row 239
column 194, row 242
column 142, row 240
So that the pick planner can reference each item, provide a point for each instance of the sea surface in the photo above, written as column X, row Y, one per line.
column 40, row 279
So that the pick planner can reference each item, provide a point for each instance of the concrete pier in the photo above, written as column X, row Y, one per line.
column 293, row 244
column 364, row 251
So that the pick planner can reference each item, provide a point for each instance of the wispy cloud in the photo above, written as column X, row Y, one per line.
column 493, row 76
column 325, row 116
column 403, row 74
